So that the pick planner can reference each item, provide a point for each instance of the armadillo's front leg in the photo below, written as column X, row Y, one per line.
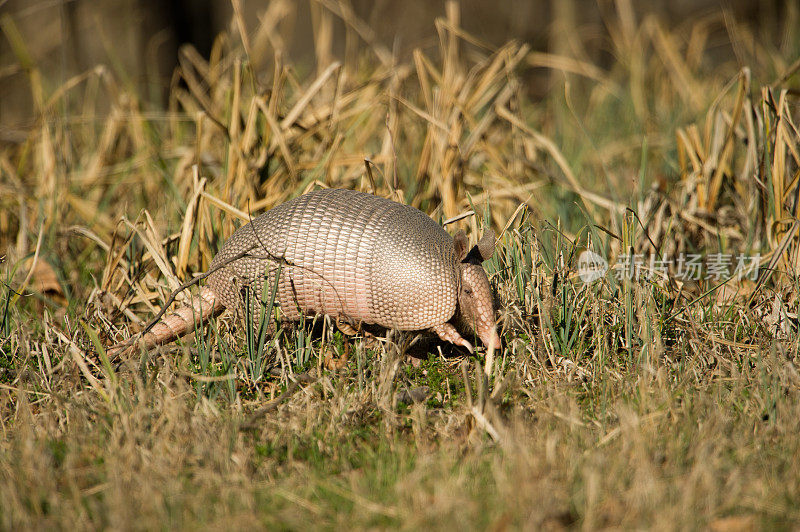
column 448, row 333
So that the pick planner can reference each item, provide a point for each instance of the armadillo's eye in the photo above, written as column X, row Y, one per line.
column 468, row 291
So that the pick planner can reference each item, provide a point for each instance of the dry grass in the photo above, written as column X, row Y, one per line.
column 646, row 403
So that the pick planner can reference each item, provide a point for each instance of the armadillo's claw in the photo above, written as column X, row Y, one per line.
column 467, row 345
column 448, row 333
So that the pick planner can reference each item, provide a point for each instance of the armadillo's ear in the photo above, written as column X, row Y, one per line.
column 486, row 245
column 461, row 244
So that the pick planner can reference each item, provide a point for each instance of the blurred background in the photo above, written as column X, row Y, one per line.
column 139, row 39
column 579, row 109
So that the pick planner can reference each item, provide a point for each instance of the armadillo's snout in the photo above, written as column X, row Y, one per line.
column 476, row 305
column 490, row 338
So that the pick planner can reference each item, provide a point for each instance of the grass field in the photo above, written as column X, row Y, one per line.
column 644, row 399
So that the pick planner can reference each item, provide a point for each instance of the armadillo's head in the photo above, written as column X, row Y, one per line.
column 475, row 301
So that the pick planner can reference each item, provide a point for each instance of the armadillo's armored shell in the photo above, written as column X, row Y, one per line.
column 345, row 253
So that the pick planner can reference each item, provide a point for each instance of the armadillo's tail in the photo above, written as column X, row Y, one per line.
column 176, row 324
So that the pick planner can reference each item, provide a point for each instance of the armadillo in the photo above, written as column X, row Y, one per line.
column 359, row 258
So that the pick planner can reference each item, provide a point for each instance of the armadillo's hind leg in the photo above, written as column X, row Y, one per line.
column 347, row 328
column 448, row 333
column 334, row 363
